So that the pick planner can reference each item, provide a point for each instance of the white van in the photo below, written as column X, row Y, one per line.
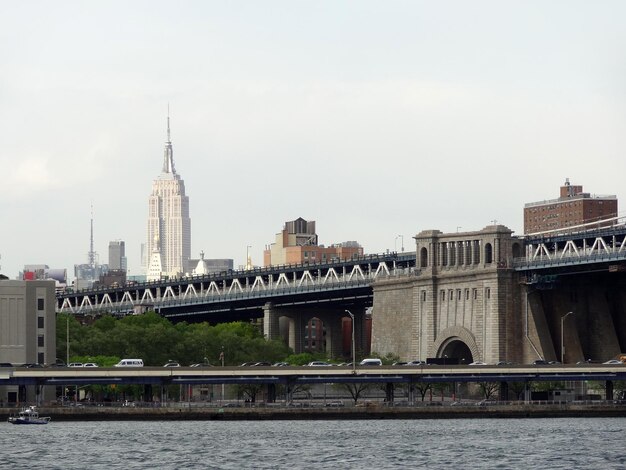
column 371, row 362
column 130, row 363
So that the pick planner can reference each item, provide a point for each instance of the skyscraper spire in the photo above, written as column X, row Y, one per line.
column 168, row 157
column 168, row 123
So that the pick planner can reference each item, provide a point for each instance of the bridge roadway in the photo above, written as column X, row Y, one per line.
column 243, row 293
column 309, row 375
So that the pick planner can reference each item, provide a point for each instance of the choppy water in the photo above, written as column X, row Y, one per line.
column 566, row 443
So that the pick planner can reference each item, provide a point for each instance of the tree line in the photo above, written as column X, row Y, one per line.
column 157, row 341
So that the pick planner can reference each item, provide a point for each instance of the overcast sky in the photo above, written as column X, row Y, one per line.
column 373, row 118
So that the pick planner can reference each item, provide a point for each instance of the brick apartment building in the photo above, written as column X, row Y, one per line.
column 573, row 207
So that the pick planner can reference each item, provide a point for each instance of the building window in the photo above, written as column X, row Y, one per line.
column 40, row 322
column 443, row 295
column 423, row 296
column 40, row 341
column 41, row 304
column 466, row 294
column 488, row 292
column 458, row 294
column 475, row 293
column 41, row 358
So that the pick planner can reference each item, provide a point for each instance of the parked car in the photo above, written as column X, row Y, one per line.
column 75, row 364
column 90, row 364
column 478, row 363
column 281, row 364
column 201, row 364
column 540, row 362
column 371, row 362
column 614, row 362
column 262, row 364
column 505, row 363
column 318, row 364
column 171, row 364
column 416, row 363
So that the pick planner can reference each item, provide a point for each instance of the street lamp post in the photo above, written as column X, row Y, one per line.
column 562, row 339
column 353, row 349
column 222, row 359
column 67, row 340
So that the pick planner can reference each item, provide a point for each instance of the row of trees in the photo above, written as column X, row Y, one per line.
column 156, row 340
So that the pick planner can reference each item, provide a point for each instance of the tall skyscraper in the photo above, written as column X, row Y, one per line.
column 169, row 225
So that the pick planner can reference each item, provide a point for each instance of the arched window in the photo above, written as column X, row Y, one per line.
column 488, row 253
column 423, row 258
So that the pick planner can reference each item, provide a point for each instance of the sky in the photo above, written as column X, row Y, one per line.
column 376, row 119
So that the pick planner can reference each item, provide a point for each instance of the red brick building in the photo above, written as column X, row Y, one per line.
column 573, row 207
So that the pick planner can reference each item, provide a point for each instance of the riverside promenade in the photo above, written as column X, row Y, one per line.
column 370, row 411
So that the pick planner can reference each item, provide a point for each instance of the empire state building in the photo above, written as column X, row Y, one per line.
column 169, row 226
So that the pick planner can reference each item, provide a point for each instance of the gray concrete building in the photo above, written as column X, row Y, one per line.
column 27, row 333
column 117, row 255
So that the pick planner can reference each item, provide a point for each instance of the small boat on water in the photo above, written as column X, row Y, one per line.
column 29, row 415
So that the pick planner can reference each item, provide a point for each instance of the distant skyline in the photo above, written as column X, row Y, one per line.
column 375, row 119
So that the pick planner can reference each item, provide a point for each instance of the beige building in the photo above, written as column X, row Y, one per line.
column 298, row 243
column 27, row 332
column 169, row 225
column 573, row 207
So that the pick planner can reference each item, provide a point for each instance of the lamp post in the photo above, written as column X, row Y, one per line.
column 562, row 342
column 401, row 237
column 222, row 359
column 67, row 340
column 353, row 349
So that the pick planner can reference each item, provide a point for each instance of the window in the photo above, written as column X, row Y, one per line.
column 475, row 293
column 41, row 358
column 488, row 292
column 41, row 304
column 458, row 294
column 40, row 322
column 40, row 341
column 423, row 296
column 466, row 294
column 443, row 295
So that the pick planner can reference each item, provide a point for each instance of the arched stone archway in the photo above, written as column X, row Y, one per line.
column 457, row 350
column 458, row 342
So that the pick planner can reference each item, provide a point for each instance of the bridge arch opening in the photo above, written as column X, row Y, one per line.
column 456, row 349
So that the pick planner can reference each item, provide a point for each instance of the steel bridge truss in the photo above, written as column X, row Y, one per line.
column 598, row 246
column 259, row 283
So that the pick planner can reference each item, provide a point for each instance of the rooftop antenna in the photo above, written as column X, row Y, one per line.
column 168, row 123
column 92, row 254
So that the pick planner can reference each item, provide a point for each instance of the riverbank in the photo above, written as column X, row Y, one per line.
column 510, row 411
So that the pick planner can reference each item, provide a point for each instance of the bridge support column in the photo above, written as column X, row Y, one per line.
column 504, row 391
column 147, row 393
column 271, row 328
column 271, row 393
column 389, row 389
column 411, row 393
column 359, row 333
column 609, row 390
column 296, row 332
column 334, row 339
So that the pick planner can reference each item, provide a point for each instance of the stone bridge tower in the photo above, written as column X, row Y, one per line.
column 461, row 302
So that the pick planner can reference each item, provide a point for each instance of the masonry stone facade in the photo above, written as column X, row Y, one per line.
column 461, row 301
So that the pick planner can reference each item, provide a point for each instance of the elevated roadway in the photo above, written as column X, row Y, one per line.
column 310, row 375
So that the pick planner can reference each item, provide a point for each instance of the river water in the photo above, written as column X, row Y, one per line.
column 563, row 443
